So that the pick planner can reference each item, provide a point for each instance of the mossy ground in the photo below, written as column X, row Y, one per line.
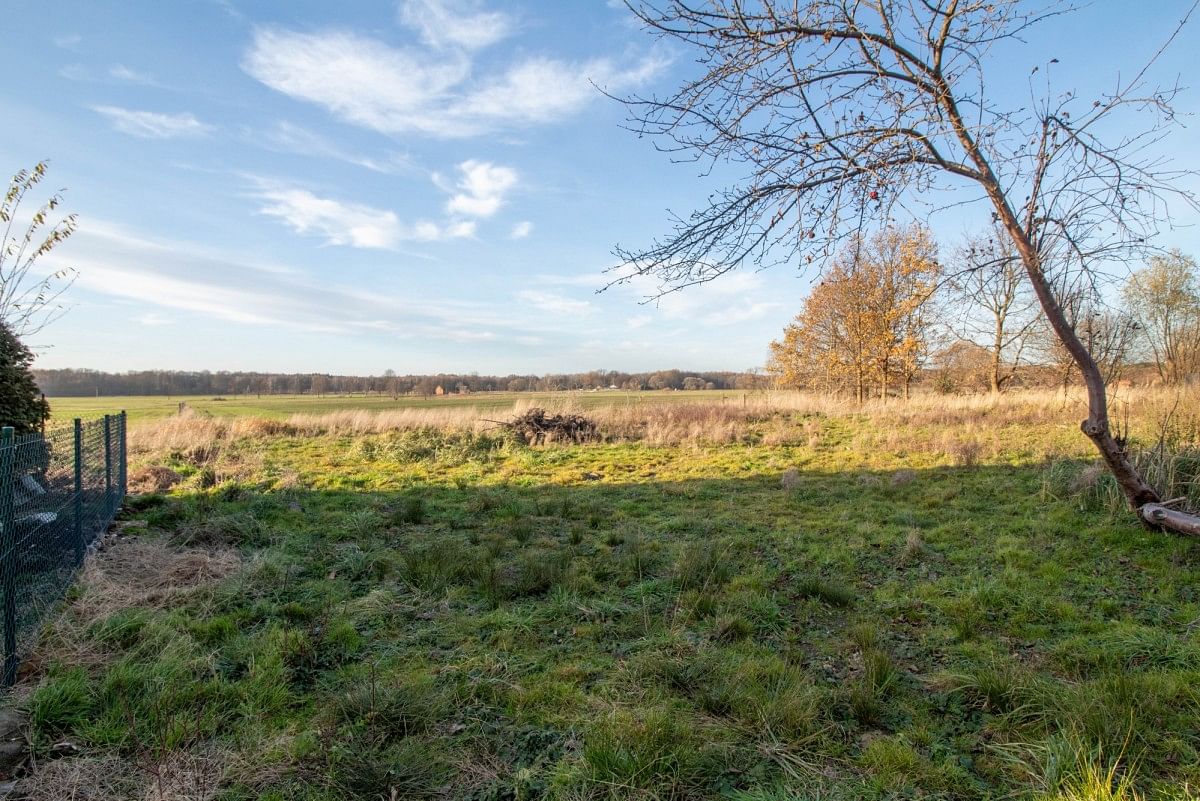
column 455, row 616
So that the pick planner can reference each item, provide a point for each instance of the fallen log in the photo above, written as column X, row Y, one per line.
column 1161, row 516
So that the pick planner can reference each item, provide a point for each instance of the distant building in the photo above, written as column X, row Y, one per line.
column 439, row 391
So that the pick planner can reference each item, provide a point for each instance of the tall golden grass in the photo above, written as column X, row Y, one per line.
column 970, row 426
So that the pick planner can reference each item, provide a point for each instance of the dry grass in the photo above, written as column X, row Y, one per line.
column 130, row 573
column 144, row 573
column 98, row 778
column 965, row 429
column 177, row 776
column 153, row 478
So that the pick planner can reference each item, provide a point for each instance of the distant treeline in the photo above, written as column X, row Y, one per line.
column 75, row 382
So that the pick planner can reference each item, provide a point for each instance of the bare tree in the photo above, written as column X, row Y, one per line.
column 994, row 303
column 29, row 298
column 1165, row 297
column 1109, row 335
column 842, row 112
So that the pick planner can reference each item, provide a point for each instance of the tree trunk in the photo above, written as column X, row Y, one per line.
column 1137, row 492
column 997, row 347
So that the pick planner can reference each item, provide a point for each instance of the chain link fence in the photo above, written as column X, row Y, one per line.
column 59, row 491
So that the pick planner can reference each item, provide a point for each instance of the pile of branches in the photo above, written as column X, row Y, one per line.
column 536, row 427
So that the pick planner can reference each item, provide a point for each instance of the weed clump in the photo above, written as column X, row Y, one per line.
column 703, row 566
column 825, row 592
column 654, row 753
column 410, row 512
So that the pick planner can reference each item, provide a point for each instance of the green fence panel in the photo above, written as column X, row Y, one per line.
column 59, row 492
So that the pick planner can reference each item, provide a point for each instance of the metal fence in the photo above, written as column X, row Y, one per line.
column 59, row 491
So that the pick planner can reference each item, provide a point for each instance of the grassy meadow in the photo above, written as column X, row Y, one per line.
column 147, row 407
column 786, row 598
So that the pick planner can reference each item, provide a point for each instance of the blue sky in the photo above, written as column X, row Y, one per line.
column 424, row 185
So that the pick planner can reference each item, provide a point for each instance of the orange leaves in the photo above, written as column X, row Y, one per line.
column 864, row 327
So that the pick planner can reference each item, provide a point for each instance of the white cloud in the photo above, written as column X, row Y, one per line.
column 358, row 79
column 741, row 311
column 399, row 90
column 460, row 229
column 67, row 41
column 455, row 23
column 481, row 188
column 521, row 230
column 553, row 302
column 543, row 90
column 353, row 224
column 152, row 124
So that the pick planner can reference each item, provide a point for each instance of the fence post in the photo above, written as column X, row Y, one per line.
column 8, row 553
column 108, row 504
column 80, row 545
column 124, row 456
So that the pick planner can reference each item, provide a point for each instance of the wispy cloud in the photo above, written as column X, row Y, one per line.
column 344, row 223
column 521, row 230
column 291, row 138
column 400, row 90
column 554, row 302
column 153, row 124
column 153, row 319
column 67, row 41
column 737, row 298
column 480, row 189
column 122, row 73
column 455, row 23
column 193, row 278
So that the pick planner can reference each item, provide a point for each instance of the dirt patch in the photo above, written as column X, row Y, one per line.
column 153, row 479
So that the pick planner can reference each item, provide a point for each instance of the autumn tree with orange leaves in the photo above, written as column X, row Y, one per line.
column 866, row 327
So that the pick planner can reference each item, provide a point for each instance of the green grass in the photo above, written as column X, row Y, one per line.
column 149, row 407
column 488, row 624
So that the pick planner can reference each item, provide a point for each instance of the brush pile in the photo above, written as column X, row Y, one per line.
column 536, row 427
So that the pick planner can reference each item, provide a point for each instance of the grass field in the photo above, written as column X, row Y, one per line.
column 935, row 601
column 279, row 406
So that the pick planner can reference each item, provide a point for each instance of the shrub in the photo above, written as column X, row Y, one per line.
column 21, row 403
